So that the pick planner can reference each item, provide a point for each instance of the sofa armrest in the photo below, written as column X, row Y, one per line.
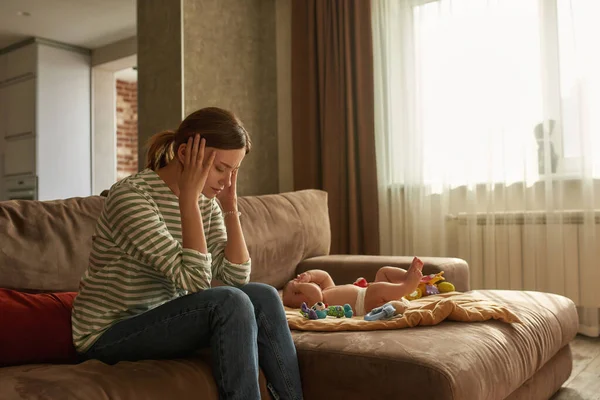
column 347, row 268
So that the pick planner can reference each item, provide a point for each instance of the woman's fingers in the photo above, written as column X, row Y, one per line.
column 188, row 151
column 195, row 147
column 209, row 161
column 201, row 148
column 234, row 180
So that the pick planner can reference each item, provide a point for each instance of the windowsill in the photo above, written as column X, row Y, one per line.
column 563, row 177
column 530, row 217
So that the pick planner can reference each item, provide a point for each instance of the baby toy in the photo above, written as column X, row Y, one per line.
column 430, row 285
column 388, row 310
column 308, row 312
column 340, row 311
column 361, row 282
column 320, row 310
column 445, row 287
column 348, row 313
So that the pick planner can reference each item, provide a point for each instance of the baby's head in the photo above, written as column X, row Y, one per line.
column 293, row 296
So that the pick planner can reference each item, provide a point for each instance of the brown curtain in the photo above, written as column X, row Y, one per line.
column 333, row 116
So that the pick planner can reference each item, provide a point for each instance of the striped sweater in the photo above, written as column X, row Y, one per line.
column 137, row 260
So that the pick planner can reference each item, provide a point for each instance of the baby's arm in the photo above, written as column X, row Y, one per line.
column 311, row 291
column 318, row 276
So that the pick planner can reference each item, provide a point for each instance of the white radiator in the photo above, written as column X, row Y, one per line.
column 550, row 252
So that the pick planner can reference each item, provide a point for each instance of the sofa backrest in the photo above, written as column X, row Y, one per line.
column 45, row 245
column 281, row 230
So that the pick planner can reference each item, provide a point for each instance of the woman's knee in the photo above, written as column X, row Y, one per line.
column 260, row 291
column 265, row 299
column 233, row 299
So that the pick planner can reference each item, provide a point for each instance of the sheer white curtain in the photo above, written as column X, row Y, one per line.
column 488, row 140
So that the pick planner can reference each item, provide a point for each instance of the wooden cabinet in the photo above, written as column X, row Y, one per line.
column 20, row 110
column 3, row 106
column 3, row 58
column 17, row 118
column 2, row 143
column 45, row 120
column 21, row 188
column 19, row 156
column 21, row 62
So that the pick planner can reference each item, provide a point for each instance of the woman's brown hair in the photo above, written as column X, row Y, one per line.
column 220, row 128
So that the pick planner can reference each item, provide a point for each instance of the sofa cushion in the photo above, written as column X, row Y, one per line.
column 180, row 379
column 453, row 360
column 35, row 328
column 45, row 245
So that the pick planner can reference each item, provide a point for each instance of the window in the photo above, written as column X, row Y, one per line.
column 489, row 75
column 579, row 64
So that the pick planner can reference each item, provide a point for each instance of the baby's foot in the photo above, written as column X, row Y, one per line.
column 414, row 274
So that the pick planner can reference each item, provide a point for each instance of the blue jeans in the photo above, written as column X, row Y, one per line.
column 244, row 327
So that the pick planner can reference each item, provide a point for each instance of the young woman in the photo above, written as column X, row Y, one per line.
column 160, row 241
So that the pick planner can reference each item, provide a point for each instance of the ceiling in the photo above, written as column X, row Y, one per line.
column 84, row 23
column 127, row 75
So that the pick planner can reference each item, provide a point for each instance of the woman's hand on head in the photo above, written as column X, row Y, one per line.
column 196, row 166
column 228, row 196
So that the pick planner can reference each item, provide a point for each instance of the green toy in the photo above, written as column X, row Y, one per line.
column 340, row 311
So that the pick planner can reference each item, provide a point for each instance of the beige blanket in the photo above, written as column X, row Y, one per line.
column 430, row 310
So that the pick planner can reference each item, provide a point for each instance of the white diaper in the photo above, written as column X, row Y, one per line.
column 359, row 307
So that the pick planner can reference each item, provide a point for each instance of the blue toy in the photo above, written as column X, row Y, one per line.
column 321, row 309
column 348, row 311
column 386, row 311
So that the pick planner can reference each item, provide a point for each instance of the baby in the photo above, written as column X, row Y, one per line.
column 316, row 285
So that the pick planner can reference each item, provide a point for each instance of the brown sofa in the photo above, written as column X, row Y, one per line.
column 44, row 246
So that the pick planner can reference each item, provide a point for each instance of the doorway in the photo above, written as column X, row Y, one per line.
column 127, row 127
column 114, row 122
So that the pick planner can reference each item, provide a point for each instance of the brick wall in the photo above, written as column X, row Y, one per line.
column 127, row 129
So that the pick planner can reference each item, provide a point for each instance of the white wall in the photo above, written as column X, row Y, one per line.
column 104, row 130
column 63, row 124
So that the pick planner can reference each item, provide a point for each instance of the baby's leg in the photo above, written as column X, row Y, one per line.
column 380, row 293
column 396, row 275
column 390, row 274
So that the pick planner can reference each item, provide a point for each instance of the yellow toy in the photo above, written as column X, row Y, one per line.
column 430, row 285
column 445, row 287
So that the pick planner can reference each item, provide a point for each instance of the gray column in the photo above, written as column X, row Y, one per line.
column 198, row 53
column 160, row 72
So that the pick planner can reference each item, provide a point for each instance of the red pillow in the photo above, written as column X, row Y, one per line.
column 35, row 328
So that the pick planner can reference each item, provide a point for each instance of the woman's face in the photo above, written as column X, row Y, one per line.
column 219, row 176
